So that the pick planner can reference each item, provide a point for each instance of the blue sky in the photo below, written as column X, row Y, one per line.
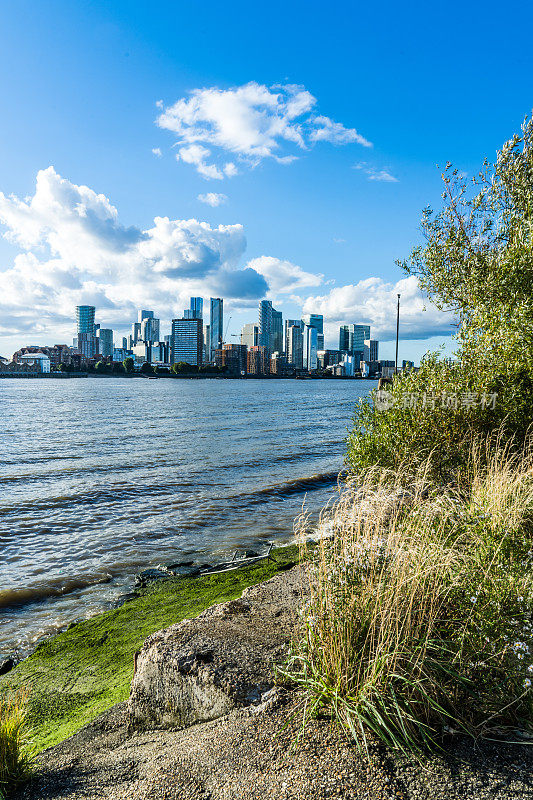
column 80, row 85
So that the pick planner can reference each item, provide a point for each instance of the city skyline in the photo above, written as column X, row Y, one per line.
column 244, row 168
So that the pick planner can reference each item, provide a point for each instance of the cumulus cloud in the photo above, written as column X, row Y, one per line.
column 283, row 277
column 375, row 174
column 75, row 250
column 212, row 199
column 252, row 122
column 157, row 151
column 373, row 302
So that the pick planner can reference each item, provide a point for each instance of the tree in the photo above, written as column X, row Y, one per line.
column 128, row 365
column 101, row 367
column 147, row 369
column 477, row 261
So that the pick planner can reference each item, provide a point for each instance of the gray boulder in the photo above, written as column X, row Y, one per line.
column 202, row 668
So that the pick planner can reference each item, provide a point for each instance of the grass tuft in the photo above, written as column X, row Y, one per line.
column 420, row 620
column 16, row 753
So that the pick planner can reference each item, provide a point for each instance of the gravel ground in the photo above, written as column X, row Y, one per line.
column 257, row 755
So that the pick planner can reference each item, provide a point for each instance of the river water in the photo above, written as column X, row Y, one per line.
column 104, row 477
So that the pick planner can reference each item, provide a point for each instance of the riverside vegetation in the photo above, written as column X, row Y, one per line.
column 420, row 620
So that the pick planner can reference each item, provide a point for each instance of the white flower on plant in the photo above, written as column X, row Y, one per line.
column 527, row 683
column 530, row 668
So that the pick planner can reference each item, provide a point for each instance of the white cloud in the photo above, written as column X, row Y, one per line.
column 283, row 277
column 157, row 151
column 252, row 122
column 212, row 199
column 375, row 174
column 75, row 250
column 373, row 302
column 328, row 131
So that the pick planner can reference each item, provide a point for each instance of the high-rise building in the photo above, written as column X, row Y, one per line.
column 142, row 314
column 310, row 348
column 124, row 342
column 294, row 345
column 85, row 319
column 187, row 341
column 276, row 339
column 105, row 342
column 265, row 324
column 197, row 307
column 316, row 321
column 207, row 344
column 135, row 335
column 288, row 324
column 250, row 334
column 216, row 324
column 371, row 348
column 352, row 340
column 150, row 329
column 85, row 341
column 258, row 361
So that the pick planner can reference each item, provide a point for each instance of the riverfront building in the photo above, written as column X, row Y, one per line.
column 310, row 349
column 352, row 340
column 216, row 324
column 187, row 341
column 250, row 334
column 295, row 346
column 265, row 324
column 316, row 321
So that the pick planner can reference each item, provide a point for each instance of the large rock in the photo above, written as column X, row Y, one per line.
column 202, row 668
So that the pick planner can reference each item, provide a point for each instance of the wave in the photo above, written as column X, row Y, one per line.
column 12, row 599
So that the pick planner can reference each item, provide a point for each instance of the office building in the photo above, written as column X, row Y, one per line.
column 250, row 334
column 289, row 323
column 295, row 345
column 85, row 319
column 371, row 348
column 310, row 348
column 124, row 342
column 142, row 314
column 105, row 342
column 276, row 339
column 149, row 329
column 258, row 361
column 187, row 341
column 216, row 324
column 349, row 365
column 135, row 335
column 328, row 358
column 265, row 324
column 316, row 321
column 196, row 309
column 352, row 340
column 207, row 344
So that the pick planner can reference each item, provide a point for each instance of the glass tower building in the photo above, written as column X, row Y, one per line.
column 216, row 324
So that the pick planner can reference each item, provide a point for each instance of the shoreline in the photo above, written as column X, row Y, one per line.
column 77, row 674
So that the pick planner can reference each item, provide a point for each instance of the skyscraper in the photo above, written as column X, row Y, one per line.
column 265, row 324
column 316, row 321
column 142, row 314
column 197, row 307
column 149, row 329
column 85, row 341
column 294, row 345
column 288, row 324
column 371, row 350
column 352, row 339
column 276, row 338
column 216, row 324
column 105, row 342
column 187, row 341
column 310, row 347
column 250, row 334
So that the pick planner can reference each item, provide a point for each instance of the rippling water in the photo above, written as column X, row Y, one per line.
column 103, row 478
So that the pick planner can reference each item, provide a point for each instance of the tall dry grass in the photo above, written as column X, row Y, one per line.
column 16, row 754
column 418, row 620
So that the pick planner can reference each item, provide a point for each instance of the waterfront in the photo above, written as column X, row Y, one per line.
column 104, row 478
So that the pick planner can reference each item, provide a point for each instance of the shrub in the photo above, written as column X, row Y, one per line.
column 15, row 752
column 419, row 619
